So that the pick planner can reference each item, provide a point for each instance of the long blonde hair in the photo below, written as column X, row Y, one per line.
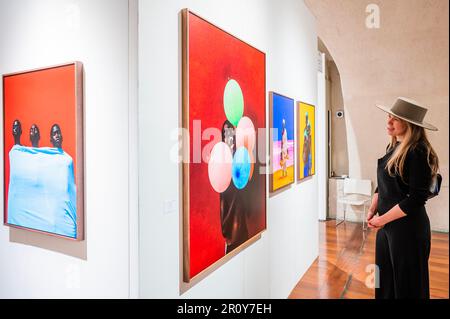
column 413, row 137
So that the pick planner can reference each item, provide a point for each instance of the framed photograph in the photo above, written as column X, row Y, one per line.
column 306, row 140
column 224, row 182
column 282, row 141
column 43, row 150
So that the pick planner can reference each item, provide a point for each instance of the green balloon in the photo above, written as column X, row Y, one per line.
column 233, row 101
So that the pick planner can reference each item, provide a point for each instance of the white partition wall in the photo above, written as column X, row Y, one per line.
column 270, row 268
column 47, row 32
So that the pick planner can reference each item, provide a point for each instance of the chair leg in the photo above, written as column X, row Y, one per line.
column 342, row 221
column 364, row 218
column 345, row 211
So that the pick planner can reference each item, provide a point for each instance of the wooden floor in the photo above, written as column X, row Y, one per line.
column 343, row 266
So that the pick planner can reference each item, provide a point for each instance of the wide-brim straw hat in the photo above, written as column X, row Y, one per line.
column 410, row 111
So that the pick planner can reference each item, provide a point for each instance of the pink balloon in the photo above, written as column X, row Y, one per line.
column 219, row 167
column 246, row 134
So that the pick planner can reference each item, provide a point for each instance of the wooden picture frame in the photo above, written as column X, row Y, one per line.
column 46, row 97
column 285, row 111
column 189, row 278
column 304, row 109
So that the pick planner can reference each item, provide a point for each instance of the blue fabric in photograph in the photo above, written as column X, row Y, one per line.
column 42, row 190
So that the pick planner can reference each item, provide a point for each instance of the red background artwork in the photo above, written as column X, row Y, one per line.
column 43, row 97
column 215, row 57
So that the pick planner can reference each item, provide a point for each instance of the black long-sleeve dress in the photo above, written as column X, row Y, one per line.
column 403, row 245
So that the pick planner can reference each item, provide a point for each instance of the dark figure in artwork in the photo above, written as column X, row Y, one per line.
column 229, row 135
column 56, row 136
column 42, row 191
column 35, row 135
column 232, row 204
column 17, row 132
column 284, row 154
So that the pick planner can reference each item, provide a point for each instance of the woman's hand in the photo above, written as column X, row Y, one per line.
column 376, row 222
column 373, row 207
column 370, row 215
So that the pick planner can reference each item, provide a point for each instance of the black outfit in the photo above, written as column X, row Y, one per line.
column 403, row 246
column 233, row 212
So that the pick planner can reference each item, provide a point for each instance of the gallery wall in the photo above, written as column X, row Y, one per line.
column 42, row 33
column 270, row 267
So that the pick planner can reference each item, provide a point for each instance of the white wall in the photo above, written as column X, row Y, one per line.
column 47, row 32
column 271, row 267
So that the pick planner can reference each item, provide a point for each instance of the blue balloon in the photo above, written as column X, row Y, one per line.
column 241, row 168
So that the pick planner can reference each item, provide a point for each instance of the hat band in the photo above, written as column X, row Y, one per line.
column 416, row 114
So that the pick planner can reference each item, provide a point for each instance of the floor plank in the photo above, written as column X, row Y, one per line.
column 343, row 268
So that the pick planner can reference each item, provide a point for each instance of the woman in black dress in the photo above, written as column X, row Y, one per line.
column 404, row 176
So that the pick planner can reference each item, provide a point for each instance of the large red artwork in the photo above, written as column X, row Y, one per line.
column 224, row 183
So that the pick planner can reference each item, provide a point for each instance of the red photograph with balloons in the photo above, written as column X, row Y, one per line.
column 224, row 181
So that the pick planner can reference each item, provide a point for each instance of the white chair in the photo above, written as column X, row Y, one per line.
column 357, row 192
